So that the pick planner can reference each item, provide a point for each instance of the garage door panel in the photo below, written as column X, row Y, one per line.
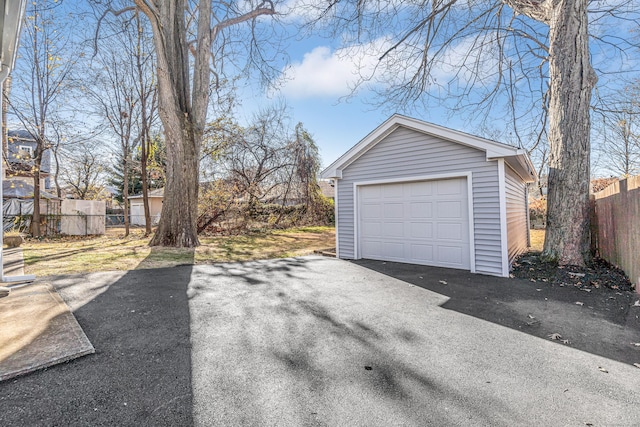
column 423, row 222
column 451, row 231
column 370, row 192
column 392, row 191
column 370, row 248
column 421, row 230
column 372, row 229
column 450, row 255
column 449, row 187
column 394, row 250
column 420, row 210
column 449, row 209
column 371, row 211
column 394, row 230
column 420, row 189
column 421, row 253
column 393, row 210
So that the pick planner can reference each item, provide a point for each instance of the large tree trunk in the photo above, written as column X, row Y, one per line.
column 182, row 108
column 570, row 73
column 178, row 224
column 183, row 116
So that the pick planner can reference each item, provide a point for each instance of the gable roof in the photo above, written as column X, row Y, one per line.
column 517, row 158
column 158, row 193
column 19, row 189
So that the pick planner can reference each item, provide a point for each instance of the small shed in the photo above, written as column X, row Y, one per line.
column 136, row 204
column 419, row 193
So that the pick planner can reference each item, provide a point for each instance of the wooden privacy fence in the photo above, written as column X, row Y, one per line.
column 616, row 226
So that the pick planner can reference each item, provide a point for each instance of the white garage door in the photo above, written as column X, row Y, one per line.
column 424, row 222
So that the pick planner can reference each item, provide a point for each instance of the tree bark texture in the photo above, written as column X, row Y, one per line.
column 571, row 80
column 183, row 107
column 182, row 114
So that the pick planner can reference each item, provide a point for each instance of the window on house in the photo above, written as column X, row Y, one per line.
column 25, row 151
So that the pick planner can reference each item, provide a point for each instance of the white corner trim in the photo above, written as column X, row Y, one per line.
column 472, row 231
column 335, row 215
column 356, row 220
column 504, row 243
column 469, row 177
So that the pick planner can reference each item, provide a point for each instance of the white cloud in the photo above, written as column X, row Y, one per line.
column 321, row 73
column 326, row 73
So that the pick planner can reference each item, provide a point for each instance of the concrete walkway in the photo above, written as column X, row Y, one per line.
column 38, row 329
column 13, row 262
column 308, row 341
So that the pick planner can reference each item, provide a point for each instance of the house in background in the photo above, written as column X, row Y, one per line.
column 419, row 193
column 136, row 207
column 327, row 188
column 17, row 185
column 20, row 150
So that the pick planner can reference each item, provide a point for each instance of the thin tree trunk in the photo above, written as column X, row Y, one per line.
column 570, row 73
column 145, row 184
column 144, row 130
column 35, row 219
column 125, row 194
column 57, row 175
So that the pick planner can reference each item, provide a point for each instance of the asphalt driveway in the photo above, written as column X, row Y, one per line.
column 308, row 341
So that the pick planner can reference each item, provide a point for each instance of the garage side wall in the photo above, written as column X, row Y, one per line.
column 517, row 211
column 405, row 153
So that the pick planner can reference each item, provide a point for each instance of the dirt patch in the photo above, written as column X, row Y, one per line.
column 598, row 274
column 600, row 287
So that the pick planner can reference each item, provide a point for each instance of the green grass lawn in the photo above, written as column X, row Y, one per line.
column 68, row 255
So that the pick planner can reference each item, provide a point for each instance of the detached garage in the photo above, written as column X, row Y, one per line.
column 419, row 193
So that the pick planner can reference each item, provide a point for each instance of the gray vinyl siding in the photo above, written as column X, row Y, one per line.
column 517, row 228
column 405, row 153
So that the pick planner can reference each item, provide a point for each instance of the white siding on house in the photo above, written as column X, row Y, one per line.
column 405, row 153
column 517, row 211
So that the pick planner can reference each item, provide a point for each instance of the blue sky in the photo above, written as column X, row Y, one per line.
column 317, row 87
column 320, row 75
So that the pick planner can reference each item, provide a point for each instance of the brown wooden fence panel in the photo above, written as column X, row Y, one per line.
column 617, row 228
